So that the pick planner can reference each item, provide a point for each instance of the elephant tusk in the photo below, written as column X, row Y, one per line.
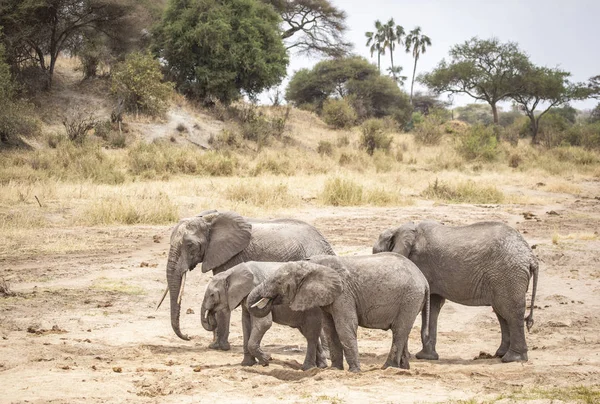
column 181, row 289
column 163, row 297
column 261, row 303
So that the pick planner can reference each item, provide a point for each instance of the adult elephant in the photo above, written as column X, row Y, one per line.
column 483, row 264
column 221, row 240
column 384, row 291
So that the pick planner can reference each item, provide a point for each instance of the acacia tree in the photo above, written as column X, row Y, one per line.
column 486, row 70
column 548, row 87
column 216, row 49
column 35, row 29
column 416, row 43
column 312, row 27
column 594, row 87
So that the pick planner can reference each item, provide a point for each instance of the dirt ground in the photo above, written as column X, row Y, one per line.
column 83, row 328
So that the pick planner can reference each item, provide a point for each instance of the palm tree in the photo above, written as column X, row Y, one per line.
column 376, row 42
column 416, row 43
column 393, row 34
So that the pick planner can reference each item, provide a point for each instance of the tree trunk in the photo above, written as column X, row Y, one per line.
column 412, row 84
column 379, row 61
column 494, row 112
column 392, row 58
column 535, row 127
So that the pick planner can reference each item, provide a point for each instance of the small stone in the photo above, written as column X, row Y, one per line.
column 117, row 369
column 199, row 368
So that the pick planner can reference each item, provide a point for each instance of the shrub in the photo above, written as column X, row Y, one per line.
column 325, row 147
column 138, row 81
column 463, row 192
column 374, row 136
column 77, row 125
column 102, row 129
column 338, row 113
column 226, row 137
column 478, row 143
column 514, row 160
column 261, row 195
column 429, row 132
column 343, row 141
column 16, row 119
column 342, row 192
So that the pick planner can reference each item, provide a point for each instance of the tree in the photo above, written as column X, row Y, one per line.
column 216, row 49
column 392, row 34
column 353, row 78
column 544, row 86
column 475, row 114
column 376, row 39
column 595, row 114
column 39, row 28
column 425, row 103
column 486, row 70
column 594, row 87
column 312, row 27
column 416, row 43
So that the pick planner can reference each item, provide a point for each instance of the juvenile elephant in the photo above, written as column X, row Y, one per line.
column 220, row 240
column 484, row 264
column 384, row 291
column 229, row 289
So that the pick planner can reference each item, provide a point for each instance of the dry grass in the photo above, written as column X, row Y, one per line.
column 463, row 192
column 121, row 209
column 260, row 195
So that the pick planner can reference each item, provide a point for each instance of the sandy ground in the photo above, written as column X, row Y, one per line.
column 83, row 328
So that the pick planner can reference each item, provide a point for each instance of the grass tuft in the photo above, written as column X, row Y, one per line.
column 463, row 192
column 257, row 194
column 342, row 192
column 121, row 209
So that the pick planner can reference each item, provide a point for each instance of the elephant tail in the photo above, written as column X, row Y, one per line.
column 533, row 271
column 426, row 313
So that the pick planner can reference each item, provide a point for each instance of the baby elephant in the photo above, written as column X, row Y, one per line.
column 384, row 291
column 484, row 264
column 228, row 289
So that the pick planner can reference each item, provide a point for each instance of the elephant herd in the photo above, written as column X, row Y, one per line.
column 285, row 271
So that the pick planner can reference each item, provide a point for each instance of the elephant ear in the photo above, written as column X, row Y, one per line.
column 229, row 234
column 239, row 285
column 319, row 287
column 404, row 239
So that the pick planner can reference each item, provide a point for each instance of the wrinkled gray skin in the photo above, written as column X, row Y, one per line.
column 484, row 264
column 221, row 240
column 384, row 291
column 229, row 289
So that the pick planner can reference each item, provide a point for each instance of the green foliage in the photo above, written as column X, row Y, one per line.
column 138, row 81
column 475, row 114
column 595, row 114
column 325, row 148
column 15, row 115
column 374, row 136
column 378, row 97
column 338, row 113
column 463, row 192
column 216, row 50
column 478, row 143
column 342, row 192
column 430, row 132
column 486, row 70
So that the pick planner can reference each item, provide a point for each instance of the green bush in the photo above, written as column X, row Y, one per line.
column 325, row 147
column 342, row 192
column 478, row 143
column 429, row 132
column 374, row 136
column 338, row 113
column 139, row 82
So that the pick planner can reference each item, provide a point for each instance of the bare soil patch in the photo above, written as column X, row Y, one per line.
column 83, row 327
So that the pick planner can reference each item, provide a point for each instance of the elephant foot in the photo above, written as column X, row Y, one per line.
column 354, row 369
column 512, row 356
column 248, row 361
column 264, row 359
column 307, row 366
column 220, row 345
column 321, row 363
column 338, row 366
column 402, row 365
column 429, row 355
column 501, row 352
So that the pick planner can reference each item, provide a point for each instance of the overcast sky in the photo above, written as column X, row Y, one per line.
column 553, row 33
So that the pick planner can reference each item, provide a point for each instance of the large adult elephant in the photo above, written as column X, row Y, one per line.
column 484, row 264
column 220, row 240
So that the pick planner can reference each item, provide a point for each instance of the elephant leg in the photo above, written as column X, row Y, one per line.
column 346, row 326
column 513, row 311
column 248, row 360
column 312, row 340
column 321, row 357
column 221, row 334
column 398, row 356
column 324, row 344
column 336, row 351
column 259, row 328
column 428, row 351
column 505, row 343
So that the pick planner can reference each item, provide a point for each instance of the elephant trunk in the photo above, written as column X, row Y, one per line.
column 208, row 319
column 256, row 309
column 174, row 279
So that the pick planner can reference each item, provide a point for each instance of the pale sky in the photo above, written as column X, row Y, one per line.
column 553, row 33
